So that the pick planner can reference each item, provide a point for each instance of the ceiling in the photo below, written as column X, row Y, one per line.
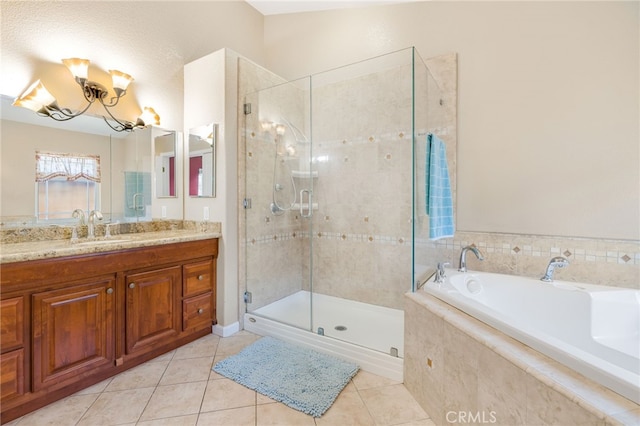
column 271, row 7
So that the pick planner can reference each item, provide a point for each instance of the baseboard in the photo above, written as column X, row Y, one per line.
column 227, row 330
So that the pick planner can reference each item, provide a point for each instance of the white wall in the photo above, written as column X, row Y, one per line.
column 548, row 139
column 210, row 97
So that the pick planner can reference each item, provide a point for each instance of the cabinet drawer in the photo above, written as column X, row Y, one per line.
column 197, row 278
column 197, row 312
column 11, row 374
column 11, row 323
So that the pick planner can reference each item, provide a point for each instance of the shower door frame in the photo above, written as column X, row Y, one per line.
column 289, row 140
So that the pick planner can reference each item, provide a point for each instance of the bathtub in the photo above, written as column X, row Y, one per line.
column 592, row 329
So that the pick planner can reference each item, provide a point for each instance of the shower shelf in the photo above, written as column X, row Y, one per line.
column 306, row 174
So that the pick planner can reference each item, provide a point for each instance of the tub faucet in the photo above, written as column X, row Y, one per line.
column 440, row 274
column 463, row 257
column 556, row 262
column 92, row 218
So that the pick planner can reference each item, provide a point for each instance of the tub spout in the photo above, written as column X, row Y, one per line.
column 556, row 262
column 463, row 257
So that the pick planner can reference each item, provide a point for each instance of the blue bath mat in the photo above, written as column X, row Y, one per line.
column 299, row 377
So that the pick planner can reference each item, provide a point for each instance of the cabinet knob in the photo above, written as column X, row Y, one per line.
column 200, row 311
column 200, row 277
column 132, row 285
column 109, row 290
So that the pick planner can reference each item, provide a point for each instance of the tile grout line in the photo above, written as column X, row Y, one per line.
column 155, row 388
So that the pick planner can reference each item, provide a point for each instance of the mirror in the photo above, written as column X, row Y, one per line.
column 126, row 164
column 164, row 147
column 23, row 134
column 132, row 168
column 202, row 160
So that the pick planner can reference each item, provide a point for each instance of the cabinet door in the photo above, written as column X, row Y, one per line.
column 73, row 332
column 11, row 323
column 153, row 308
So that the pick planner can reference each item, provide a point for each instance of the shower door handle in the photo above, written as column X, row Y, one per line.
column 309, row 203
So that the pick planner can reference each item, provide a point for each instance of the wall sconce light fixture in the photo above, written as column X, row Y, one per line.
column 37, row 98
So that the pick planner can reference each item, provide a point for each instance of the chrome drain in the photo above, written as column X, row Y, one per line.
column 340, row 328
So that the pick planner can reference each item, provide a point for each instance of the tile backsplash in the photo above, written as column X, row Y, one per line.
column 595, row 261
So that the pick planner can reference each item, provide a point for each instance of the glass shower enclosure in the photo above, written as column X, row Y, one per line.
column 331, row 177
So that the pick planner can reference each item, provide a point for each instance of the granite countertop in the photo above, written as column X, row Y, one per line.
column 20, row 252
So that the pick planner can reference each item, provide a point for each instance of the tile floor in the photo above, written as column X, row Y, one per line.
column 180, row 389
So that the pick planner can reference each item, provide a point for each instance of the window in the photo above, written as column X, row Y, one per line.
column 65, row 182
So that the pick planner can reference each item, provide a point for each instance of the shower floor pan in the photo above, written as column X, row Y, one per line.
column 371, row 336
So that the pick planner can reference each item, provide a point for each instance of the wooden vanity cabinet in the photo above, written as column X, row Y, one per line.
column 73, row 332
column 153, row 308
column 70, row 322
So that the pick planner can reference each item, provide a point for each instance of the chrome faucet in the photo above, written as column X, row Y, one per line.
column 556, row 262
column 463, row 257
column 77, row 214
column 92, row 218
column 440, row 274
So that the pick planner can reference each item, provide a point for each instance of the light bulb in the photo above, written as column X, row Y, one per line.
column 78, row 67
column 120, row 79
column 35, row 97
column 149, row 116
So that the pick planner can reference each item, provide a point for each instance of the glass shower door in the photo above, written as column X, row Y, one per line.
column 363, row 131
column 280, row 205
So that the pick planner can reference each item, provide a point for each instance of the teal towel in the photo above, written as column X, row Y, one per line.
column 438, row 190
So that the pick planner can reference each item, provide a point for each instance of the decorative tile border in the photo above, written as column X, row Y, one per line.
column 332, row 236
column 588, row 250
column 607, row 251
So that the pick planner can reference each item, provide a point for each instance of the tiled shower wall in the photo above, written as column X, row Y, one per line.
column 362, row 151
column 363, row 147
column 363, row 230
